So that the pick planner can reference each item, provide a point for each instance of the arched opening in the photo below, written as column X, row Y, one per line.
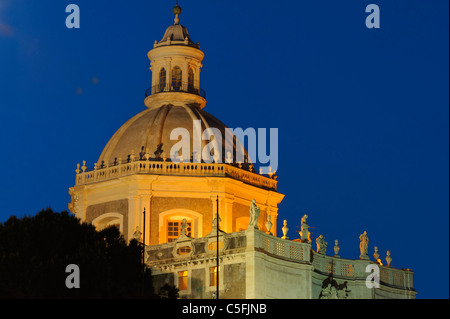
column 176, row 78
column 109, row 220
column 162, row 80
column 170, row 222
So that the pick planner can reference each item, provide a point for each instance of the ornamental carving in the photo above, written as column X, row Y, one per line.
column 332, row 290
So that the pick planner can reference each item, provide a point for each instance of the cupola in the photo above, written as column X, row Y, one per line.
column 175, row 62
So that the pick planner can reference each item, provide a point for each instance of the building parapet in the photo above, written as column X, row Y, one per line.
column 349, row 269
column 186, row 250
column 118, row 169
column 166, row 257
column 336, row 267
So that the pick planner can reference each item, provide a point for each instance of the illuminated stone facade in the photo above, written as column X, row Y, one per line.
column 256, row 265
column 135, row 173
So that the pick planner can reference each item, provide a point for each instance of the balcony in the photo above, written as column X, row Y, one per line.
column 184, row 87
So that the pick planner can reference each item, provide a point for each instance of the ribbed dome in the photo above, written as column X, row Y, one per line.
column 176, row 32
column 152, row 127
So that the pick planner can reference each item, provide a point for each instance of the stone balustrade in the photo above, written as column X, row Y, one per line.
column 349, row 269
column 84, row 176
column 166, row 255
column 346, row 269
column 286, row 249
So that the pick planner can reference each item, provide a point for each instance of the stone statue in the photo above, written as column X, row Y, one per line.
column 326, row 291
column 254, row 215
column 329, row 292
column 183, row 227
column 364, row 246
column 158, row 151
column 268, row 225
column 137, row 234
column 343, row 293
column 304, row 219
column 141, row 153
column 304, row 232
column 334, row 291
column 216, row 221
column 321, row 245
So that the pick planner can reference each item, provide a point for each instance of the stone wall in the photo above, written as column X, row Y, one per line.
column 118, row 206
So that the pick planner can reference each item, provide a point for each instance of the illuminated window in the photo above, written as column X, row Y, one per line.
column 162, row 79
column 213, row 273
column 173, row 230
column 184, row 250
column 176, row 78
column 191, row 80
column 183, row 280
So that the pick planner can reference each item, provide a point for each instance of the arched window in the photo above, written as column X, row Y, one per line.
column 107, row 220
column 162, row 80
column 191, row 81
column 176, row 78
column 169, row 224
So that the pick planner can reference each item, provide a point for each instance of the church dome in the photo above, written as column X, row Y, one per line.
column 175, row 100
column 150, row 130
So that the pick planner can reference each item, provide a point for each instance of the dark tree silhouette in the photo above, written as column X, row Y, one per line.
column 35, row 251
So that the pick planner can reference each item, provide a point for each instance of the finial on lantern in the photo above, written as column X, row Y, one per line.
column 177, row 11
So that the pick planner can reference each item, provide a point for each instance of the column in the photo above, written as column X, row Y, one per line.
column 227, row 215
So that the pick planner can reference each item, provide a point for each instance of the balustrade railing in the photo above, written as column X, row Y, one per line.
column 175, row 87
column 344, row 269
column 328, row 265
column 173, row 168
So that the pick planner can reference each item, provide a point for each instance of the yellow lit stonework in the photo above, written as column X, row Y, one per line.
column 135, row 173
column 129, row 176
column 122, row 199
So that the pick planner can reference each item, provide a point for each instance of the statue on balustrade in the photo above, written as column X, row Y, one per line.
column 254, row 215
column 321, row 245
column 364, row 246
column 304, row 232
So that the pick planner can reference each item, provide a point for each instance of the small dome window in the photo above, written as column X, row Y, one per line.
column 191, row 81
column 162, row 80
column 176, row 78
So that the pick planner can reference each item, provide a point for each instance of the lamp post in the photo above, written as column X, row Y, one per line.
column 143, row 242
column 143, row 258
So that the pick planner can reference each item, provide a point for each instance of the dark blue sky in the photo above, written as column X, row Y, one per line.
column 362, row 113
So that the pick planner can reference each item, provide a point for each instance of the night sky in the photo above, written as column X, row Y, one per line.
column 362, row 113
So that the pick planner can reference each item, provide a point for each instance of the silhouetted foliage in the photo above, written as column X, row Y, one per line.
column 168, row 292
column 35, row 251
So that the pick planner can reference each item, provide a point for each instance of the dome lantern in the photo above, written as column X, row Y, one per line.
column 175, row 62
